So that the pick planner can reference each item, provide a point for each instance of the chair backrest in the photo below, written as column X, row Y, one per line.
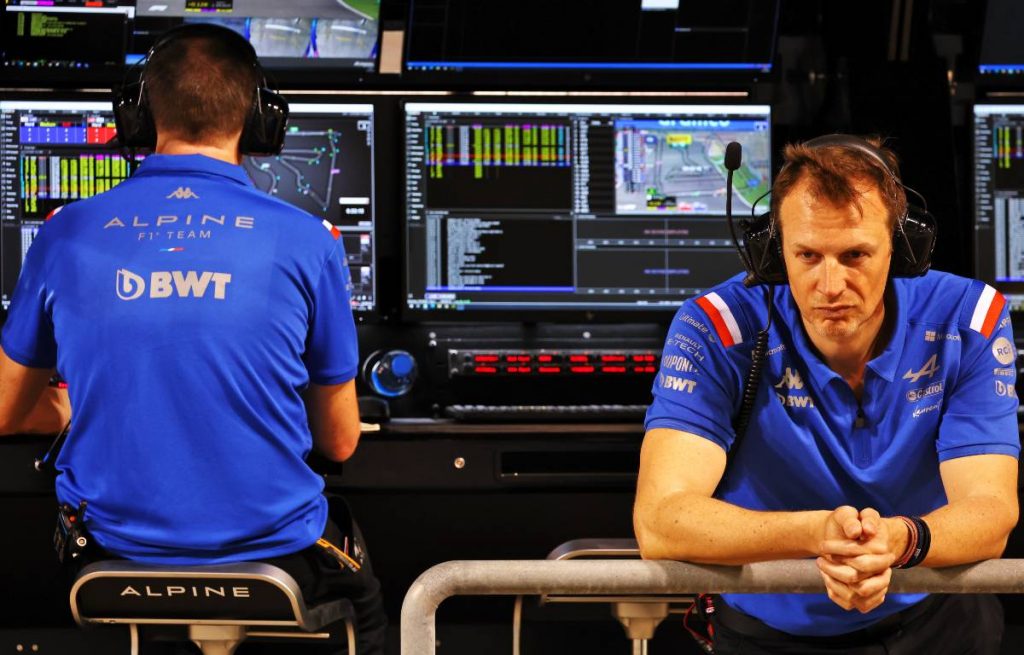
column 244, row 593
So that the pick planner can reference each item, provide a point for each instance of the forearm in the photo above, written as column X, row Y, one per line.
column 696, row 528
column 970, row 530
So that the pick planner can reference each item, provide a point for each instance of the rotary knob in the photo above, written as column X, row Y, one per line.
column 390, row 374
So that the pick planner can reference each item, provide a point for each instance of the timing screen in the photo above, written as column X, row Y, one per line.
column 574, row 207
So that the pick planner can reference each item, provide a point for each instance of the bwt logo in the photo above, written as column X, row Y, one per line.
column 164, row 284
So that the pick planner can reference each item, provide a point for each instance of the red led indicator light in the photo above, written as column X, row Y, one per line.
column 613, row 369
column 582, row 369
column 485, row 369
column 548, row 369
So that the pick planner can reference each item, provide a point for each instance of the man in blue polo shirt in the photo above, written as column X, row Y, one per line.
column 206, row 334
column 884, row 431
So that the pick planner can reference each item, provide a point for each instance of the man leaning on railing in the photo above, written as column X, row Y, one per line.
column 882, row 435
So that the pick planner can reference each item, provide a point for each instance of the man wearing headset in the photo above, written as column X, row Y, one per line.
column 206, row 334
column 883, row 434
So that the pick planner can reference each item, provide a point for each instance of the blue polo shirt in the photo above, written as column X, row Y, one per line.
column 187, row 311
column 942, row 388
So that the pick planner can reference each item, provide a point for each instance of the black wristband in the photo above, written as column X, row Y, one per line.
column 924, row 542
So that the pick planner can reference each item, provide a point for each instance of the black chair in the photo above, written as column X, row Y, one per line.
column 219, row 605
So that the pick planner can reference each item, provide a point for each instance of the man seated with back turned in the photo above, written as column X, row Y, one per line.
column 206, row 334
column 881, row 398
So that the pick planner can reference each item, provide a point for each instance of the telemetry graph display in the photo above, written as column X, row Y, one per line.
column 326, row 168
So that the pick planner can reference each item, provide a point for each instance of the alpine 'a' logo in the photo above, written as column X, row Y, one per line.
column 930, row 368
column 183, row 193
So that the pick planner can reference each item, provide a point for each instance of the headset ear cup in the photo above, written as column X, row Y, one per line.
column 764, row 251
column 265, row 126
column 134, row 123
column 913, row 243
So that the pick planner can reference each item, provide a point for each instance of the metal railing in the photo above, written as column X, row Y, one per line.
column 592, row 577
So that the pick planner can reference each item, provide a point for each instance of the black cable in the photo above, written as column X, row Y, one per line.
column 47, row 463
column 747, row 264
column 758, row 356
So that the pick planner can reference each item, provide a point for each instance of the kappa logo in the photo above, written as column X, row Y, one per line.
column 183, row 193
column 930, row 368
column 164, row 284
column 791, row 381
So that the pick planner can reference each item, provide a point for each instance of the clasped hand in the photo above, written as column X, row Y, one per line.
column 856, row 557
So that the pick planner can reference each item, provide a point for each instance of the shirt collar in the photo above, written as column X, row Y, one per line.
column 194, row 165
column 884, row 365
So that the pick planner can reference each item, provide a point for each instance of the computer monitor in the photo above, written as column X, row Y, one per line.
column 54, row 37
column 529, row 209
column 568, row 35
column 286, row 35
column 53, row 152
column 999, row 199
column 327, row 169
column 1002, row 52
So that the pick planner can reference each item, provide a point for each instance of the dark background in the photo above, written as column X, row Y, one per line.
column 904, row 70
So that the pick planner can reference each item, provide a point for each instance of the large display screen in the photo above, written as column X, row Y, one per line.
column 50, row 36
column 999, row 199
column 295, row 35
column 54, row 152
column 630, row 35
column 1002, row 50
column 578, row 207
column 326, row 168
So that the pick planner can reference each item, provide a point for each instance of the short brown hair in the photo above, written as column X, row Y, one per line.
column 832, row 171
column 200, row 86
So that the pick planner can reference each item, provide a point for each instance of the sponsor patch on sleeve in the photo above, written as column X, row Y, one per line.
column 332, row 228
column 726, row 327
column 986, row 311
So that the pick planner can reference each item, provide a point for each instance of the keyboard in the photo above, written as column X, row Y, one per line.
column 542, row 413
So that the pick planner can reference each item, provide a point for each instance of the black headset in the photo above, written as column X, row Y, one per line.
column 263, row 132
column 913, row 238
